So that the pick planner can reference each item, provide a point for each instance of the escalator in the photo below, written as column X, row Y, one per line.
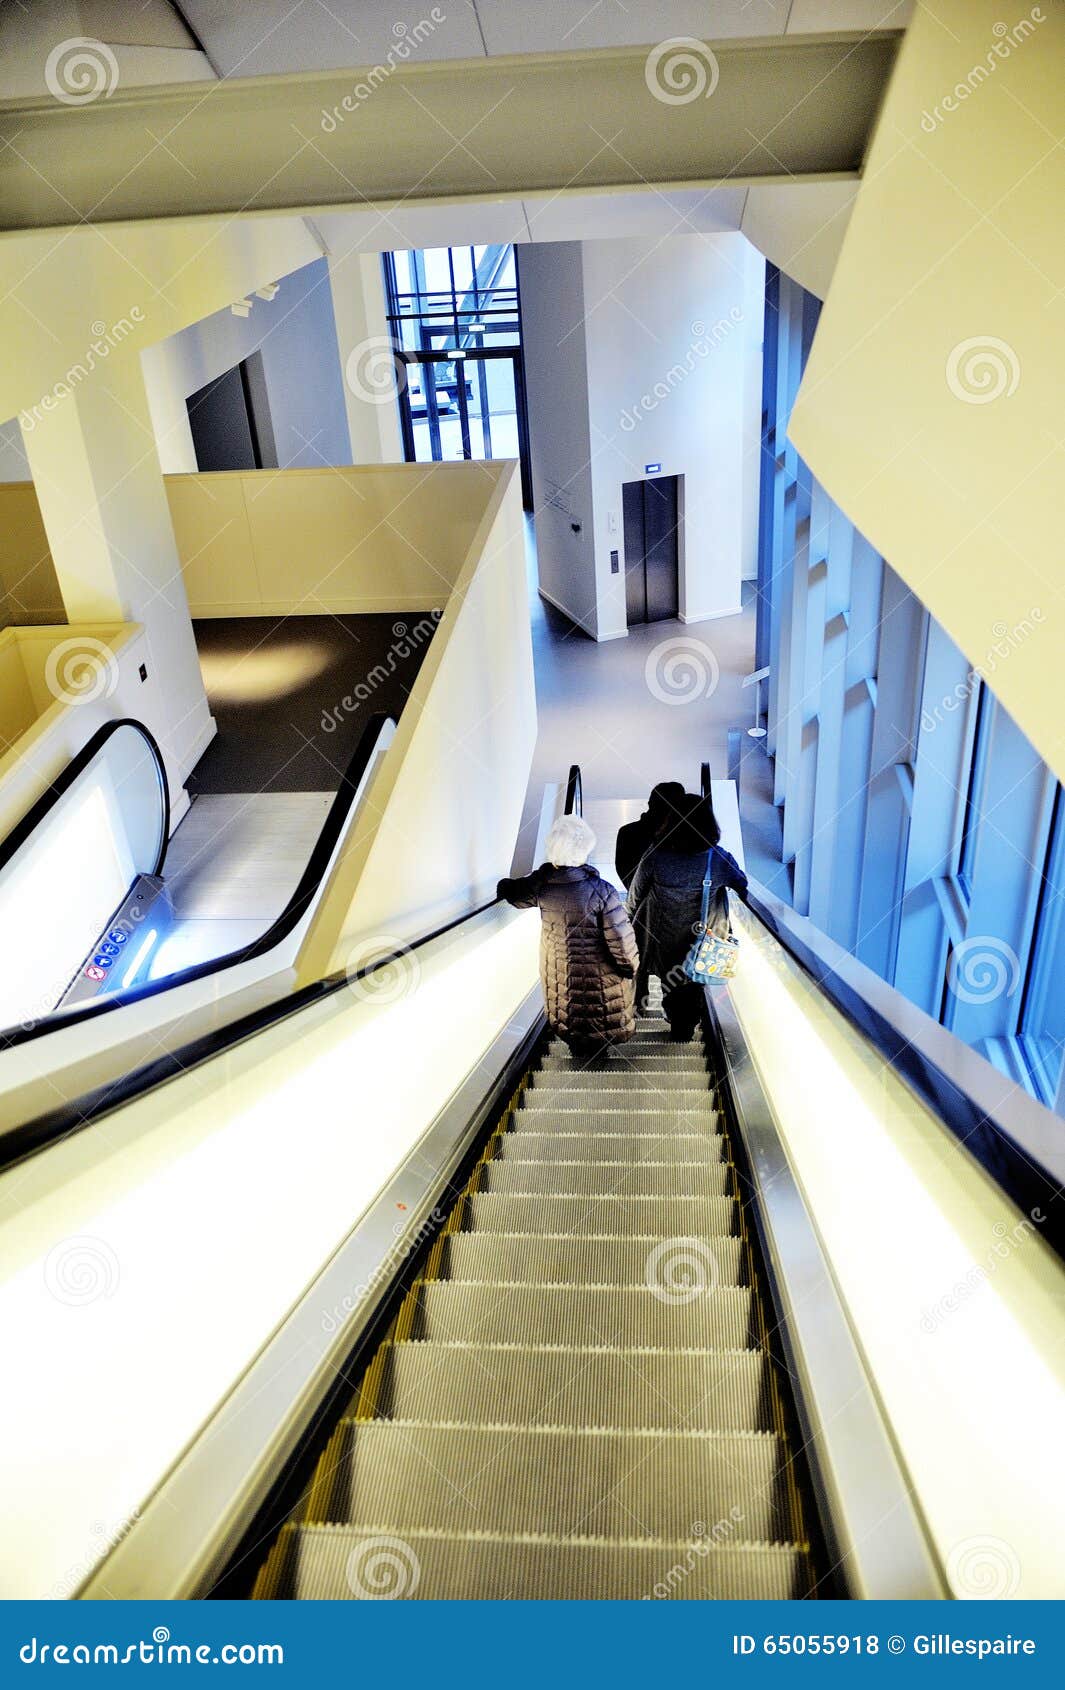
column 509, row 1326
column 577, row 1397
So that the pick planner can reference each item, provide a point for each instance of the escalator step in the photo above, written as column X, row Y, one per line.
column 643, row 1113
column 361, row 1562
column 595, row 1179
column 659, row 1485
column 628, row 1080
column 613, row 1216
column 565, row 1145
column 617, row 1068
column 687, row 1390
column 631, row 1316
column 686, row 1267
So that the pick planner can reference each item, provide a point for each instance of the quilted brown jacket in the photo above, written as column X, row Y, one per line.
column 588, row 955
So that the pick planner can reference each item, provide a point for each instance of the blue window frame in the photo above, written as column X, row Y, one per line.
column 1041, row 1032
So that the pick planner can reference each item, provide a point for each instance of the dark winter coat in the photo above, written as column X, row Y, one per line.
column 588, row 955
column 666, row 900
column 633, row 840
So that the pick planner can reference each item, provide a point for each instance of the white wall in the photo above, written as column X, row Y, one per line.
column 674, row 333
column 296, row 336
column 642, row 351
column 551, row 280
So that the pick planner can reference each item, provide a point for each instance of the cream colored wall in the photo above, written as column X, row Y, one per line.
column 298, row 542
column 931, row 407
column 27, row 573
column 443, row 813
column 301, row 542
column 47, row 714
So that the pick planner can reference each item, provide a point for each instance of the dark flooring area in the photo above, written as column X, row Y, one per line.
column 292, row 695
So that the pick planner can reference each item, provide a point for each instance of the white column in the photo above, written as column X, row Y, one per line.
column 103, row 502
column 363, row 339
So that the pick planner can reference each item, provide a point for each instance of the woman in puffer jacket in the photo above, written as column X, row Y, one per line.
column 665, row 903
column 588, row 955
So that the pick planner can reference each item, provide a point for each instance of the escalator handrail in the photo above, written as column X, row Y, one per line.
column 574, row 805
column 706, row 785
column 983, row 1131
column 279, row 929
column 31, row 1136
column 42, row 807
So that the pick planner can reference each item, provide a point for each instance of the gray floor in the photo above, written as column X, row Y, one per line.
column 605, row 707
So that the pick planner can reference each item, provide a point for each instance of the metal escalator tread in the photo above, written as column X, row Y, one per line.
column 594, row 1179
column 367, row 1563
column 600, row 1482
column 576, row 1398
column 599, row 1144
column 668, row 1217
column 707, row 1390
column 505, row 1259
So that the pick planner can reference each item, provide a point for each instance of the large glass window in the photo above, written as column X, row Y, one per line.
column 455, row 320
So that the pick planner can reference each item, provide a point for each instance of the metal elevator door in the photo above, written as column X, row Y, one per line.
column 650, row 514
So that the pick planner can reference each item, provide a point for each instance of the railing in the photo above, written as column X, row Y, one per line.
column 31, row 1136
column 290, row 916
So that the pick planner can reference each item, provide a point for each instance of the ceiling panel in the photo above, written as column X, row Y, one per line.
column 514, row 26
column 262, row 37
column 811, row 17
column 266, row 37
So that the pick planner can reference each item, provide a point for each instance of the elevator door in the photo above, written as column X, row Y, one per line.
column 649, row 512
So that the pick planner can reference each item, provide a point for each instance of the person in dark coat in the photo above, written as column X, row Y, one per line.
column 665, row 903
column 665, row 804
column 588, row 955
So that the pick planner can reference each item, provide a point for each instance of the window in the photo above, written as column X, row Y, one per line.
column 970, row 826
column 455, row 321
column 1042, row 1016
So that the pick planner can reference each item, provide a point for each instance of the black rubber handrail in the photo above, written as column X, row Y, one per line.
column 42, row 807
column 294, row 910
column 574, row 805
column 34, row 1135
column 706, row 787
